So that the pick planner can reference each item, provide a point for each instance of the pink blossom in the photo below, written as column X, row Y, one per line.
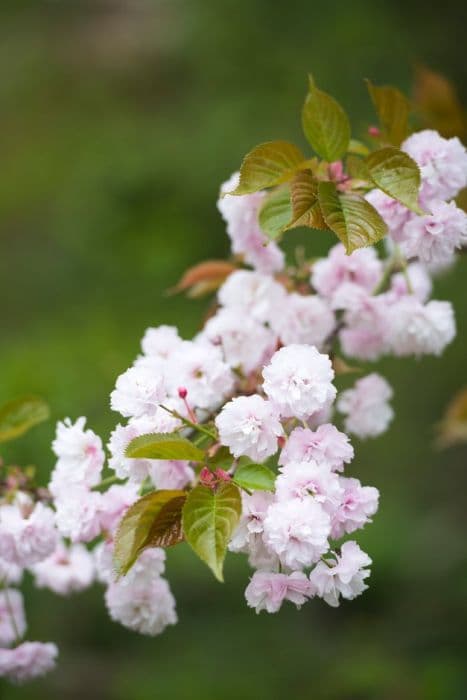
column 303, row 319
column 345, row 577
column 443, row 163
column 245, row 342
column 12, row 618
column 362, row 268
column 160, row 341
column 143, row 607
column 80, row 454
column 302, row 479
column 297, row 531
column 249, row 426
column 102, row 555
column 171, row 473
column 67, row 570
column 420, row 282
column 267, row 591
column 138, row 391
column 241, row 216
column 10, row 573
column 28, row 660
column 113, row 504
column 149, row 566
column 435, row 237
column 326, row 445
column 366, row 406
column 417, row 329
column 298, row 380
column 27, row 532
column 78, row 514
column 254, row 510
column 394, row 214
column 252, row 294
column 359, row 503
column 201, row 370
column 365, row 334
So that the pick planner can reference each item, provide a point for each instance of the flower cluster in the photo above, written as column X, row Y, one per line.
column 263, row 386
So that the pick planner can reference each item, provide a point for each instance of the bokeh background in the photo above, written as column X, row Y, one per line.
column 119, row 120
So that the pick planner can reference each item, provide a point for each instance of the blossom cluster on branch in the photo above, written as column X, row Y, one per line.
column 239, row 439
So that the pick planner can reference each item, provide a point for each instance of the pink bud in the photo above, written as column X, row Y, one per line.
column 281, row 441
column 336, row 170
column 182, row 392
column 222, row 475
column 206, row 477
column 374, row 132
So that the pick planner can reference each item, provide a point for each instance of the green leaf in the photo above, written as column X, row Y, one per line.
column 355, row 222
column 17, row 416
column 209, row 519
column 255, row 477
column 394, row 172
column 358, row 148
column 267, row 165
column 393, row 110
column 325, row 124
column 163, row 446
column 305, row 205
column 357, row 169
column 275, row 212
column 153, row 521
column 222, row 458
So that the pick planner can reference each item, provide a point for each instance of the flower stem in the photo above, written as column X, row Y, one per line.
column 108, row 481
column 11, row 613
column 195, row 426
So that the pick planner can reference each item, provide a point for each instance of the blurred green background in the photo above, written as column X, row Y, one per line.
column 119, row 120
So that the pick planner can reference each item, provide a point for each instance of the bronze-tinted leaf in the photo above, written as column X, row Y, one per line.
column 325, row 124
column 267, row 165
column 393, row 110
column 355, row 222
column 153, row 521
column 438, row 104
column 206, row 276
column 305, row 206
column 453, row 428
column 166, row 529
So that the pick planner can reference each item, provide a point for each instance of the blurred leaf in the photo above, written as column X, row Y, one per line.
column 267, row 165
column 394, row 172
column 163, row 446
column 393, row 110
column 254, row 477
column 357, row 169
column 19, row 415
column 153, row 521
column 438, row 104
column 453, row 428
column 340, row 366
column 325, row 124
column 358, row 148
column 275, row 212
column 209, row 519
column 221, row 458
column 355, row 222
column 203, row 278
column 305, row 206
